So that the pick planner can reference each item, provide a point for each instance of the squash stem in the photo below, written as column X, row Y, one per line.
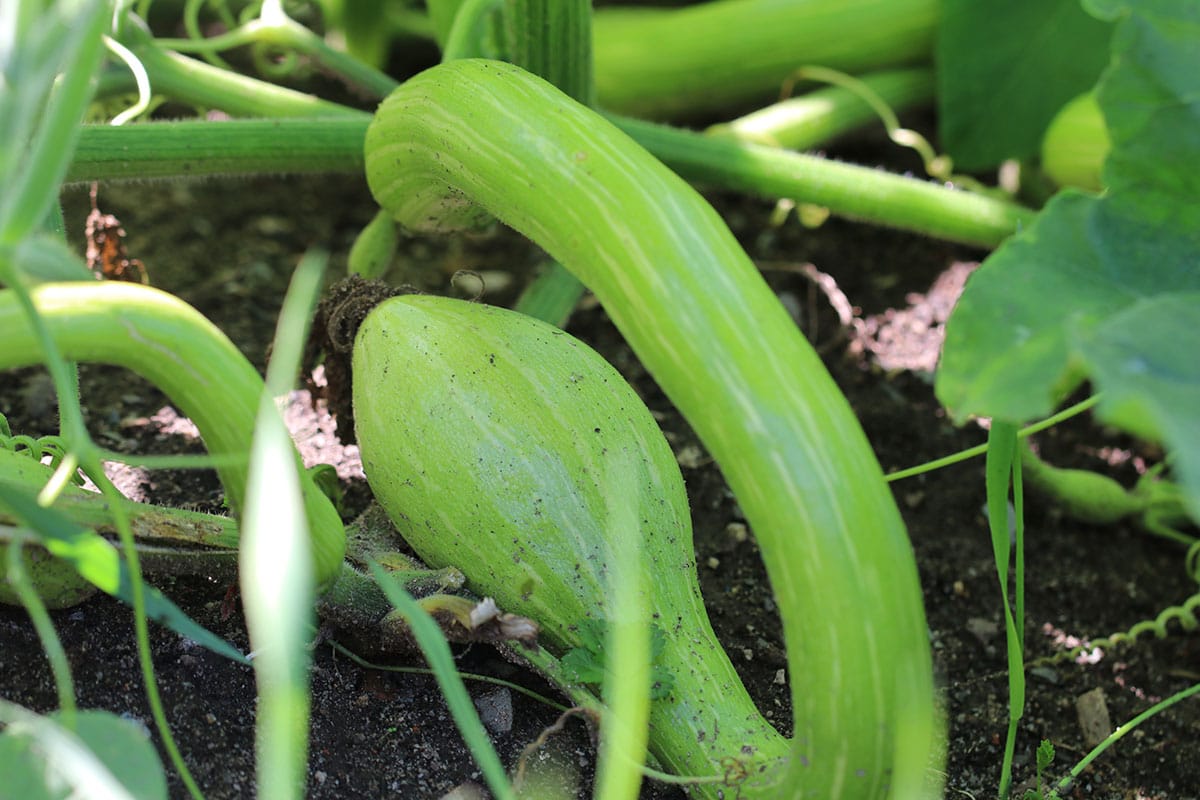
column 174, row 347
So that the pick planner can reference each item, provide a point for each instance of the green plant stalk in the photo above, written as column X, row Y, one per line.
column 373, row 250
column 441, row 16
column 276, row 560
column 170, row 542
column 51, row 644
column 200, row 84
column 284, row 32
column 696, row 311
column 178, row 350
column 204, row 149
column 473, row 26
column 553, row 40
column 167, row 531
column 972, row 452
column 174, row 541
column 813, row 119
column 674, row 63
column 194, row 149
column 1064, row 785
column 847, row 190
column 366, row 28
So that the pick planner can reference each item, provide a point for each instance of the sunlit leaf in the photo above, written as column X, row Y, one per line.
column 105, row 757
column 1004, row 70
column 1105, row 288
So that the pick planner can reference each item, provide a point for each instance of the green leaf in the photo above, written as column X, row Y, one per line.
column 1105, row 288
column 45, row 257
column 1005, row 69
column 41, row 759
column 125, row 748
column 1153, row 392
column 586, row 663
column 94, row 557
column 591, row 635
column 1150, row 101
column 24, row 772
column 1045, row 755
column 581, row 666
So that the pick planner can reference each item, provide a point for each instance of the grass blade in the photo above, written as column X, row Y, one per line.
column 277, row 575
column 441, row 661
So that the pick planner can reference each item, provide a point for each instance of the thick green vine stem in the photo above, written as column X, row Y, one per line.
column 553, row 40
column 173, row 346
column 673, row 63
column 689, row 301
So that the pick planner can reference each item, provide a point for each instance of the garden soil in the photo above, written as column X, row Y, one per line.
column 228, row 247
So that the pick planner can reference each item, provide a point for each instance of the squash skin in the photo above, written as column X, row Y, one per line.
column 487, row 436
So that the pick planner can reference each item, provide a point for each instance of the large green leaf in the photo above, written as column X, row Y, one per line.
column 105, row 757
column 1004, row 69
column 1105, row 288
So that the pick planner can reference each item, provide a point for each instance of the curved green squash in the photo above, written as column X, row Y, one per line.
column 491, row 438
column 470, row 135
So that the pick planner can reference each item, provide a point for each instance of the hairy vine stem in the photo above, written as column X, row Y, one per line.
column 195, row 148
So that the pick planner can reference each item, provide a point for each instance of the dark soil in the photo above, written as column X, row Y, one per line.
column 229, row 247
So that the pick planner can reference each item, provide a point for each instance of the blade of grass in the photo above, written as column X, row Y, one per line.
column 57, row 57
column 437, row 652
column 1002, row 464
column 811, row 120
column 50, row 70
column 277, row 575
column 51, row 644
column 627, row 674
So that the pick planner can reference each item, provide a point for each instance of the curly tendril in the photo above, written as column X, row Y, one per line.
column 36, row 448
column 1185, row 614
